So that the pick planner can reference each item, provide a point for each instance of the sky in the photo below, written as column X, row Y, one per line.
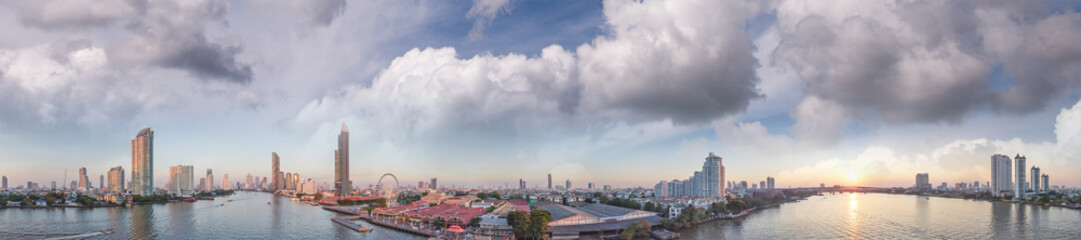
column 486, row 92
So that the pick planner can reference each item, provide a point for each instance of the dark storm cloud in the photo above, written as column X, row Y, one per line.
column 166, row 34
column 930, row 61
column 323, row 12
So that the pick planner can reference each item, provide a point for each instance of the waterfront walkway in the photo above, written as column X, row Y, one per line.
column 383, row 223
column 349, row 223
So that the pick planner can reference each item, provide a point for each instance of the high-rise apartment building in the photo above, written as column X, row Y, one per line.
column 770, row 182
column 712, row 177
column 549, row 181
column 568, row 184
column 435, row 184
column 84, row 182
column 342, row 185
column 225, row 184
column 274, row 169
column 116, row 179
column 101, row 181
column 5, row 186
column 661, row 189
column 1001, row 177
column 142, row 163
column 1035, row 183
column 1046, row 187
column 1019, row 165
column 209, row 180
column 923, row 181
column 249, row 182
column 181, row 180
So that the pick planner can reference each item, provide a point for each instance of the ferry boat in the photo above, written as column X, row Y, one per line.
column 189, row 200
column 108, row 231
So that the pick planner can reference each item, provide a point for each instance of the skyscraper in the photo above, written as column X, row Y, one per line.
column 84, row 182
column 342, row 184
column 712, row 177
column 661, row 189
column 5, row 182
column 142, row 163
column 209, row 180
column 225, row 182
column 549, row 181
column 116, row 179
column 181, row 180
column 1035, row 184
column 101, row 181
column 1001, row 179
column 274, row 169
column 923, row 181
column 1046, row 187
column 1019, row 165
column 568, row 184
column 770, row 181
column 434, row 186
column 249, row 183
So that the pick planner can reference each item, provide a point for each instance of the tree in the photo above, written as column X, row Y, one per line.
column 629, row 232
column 490, row 209
column 519, row 222
column 318, row 197
column 495, row 194
column 482, row 196
column 475, row 222
column 539, row 223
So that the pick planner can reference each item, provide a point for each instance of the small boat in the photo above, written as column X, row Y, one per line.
column 108, row 231
column 189, row 200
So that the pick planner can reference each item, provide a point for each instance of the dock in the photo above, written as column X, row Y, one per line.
column 349, row 223
column 343, row 210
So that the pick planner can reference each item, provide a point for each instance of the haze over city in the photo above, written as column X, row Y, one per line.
column 864, row 93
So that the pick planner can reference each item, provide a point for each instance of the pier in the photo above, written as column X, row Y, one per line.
column 349, row 223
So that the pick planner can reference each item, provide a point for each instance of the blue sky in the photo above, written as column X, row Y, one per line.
column 486, row 92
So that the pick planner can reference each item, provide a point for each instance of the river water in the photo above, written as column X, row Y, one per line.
column 248, row 216
column 886, row 216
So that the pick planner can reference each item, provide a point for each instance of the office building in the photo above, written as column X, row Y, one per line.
column 923, row 181
column 142, row 163
column 116, row 179
column 549, row 181
column 770, row 182
column 249, row 182
column 1019, row 165
column 342, row 185
column 5, row 186
column 434, row 184
column 568, row 184
column 225, row 184
column 590, row 186
column 521, row 184
column 274, row 169
column 181, row 180
column 84, row 182
column 1001, row 178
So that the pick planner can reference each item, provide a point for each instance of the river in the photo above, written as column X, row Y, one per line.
column 887, row 216
column 248, row 216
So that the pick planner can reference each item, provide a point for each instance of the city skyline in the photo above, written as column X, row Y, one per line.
column 603, row 94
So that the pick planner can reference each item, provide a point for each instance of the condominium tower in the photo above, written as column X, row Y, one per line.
column 1001, row 179
column 274, row 168
column 116, row 179
column 142, row 163
column 181, row 180
column 1019, row 162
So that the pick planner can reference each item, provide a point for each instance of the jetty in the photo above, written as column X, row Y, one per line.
column 344, row 210
column 350, row 223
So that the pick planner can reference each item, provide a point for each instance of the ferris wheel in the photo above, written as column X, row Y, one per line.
column 388, row 191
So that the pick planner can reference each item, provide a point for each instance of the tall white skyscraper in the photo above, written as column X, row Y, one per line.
column 1001, row 176
column 1035, row 183
column 1019, row 165
column 661, row 189
column 275, row 185
column 713, row 176
column 142, row 163
column 209, row 186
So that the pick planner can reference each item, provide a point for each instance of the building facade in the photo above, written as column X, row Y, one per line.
column 116, row 179
column 1001, row 179
column 181, row 180
column 1019, row 165
column 923, row 181
column 342, row 185
column 142, row 163
column 274, row 170
column 1034, row 185
column 84, row 182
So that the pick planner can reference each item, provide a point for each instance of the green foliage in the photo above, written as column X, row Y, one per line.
column 409, row 198
column 717, row 208
column 736, row 205
column 482, row 196
column 690, row 216
column 475, row 222
column 490, row 209
column 531, row 225
column 639, row 229
column 318, row 197
column 620, row 202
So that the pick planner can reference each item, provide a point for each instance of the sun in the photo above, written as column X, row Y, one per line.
column 853, row 176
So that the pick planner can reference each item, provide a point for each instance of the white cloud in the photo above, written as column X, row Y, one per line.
column 482, row 13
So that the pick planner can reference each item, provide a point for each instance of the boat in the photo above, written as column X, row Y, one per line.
column 108, row 231
column 267, row 203
column 190, row 200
